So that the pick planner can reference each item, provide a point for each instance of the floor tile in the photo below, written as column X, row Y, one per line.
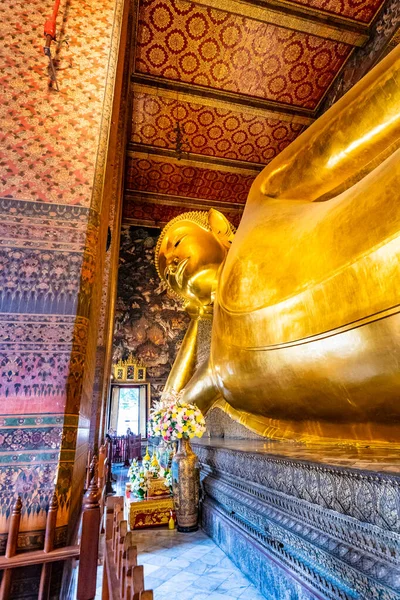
column 189, row 594
column 148, row 569
column 217, row 596
column 164, row 573
column 171, row 588
column 233, row 586
column 179, row 563
column 180, row 566
column 207, row 583
column 239, row 577
column 152, row 583
column 196, row 553
column 227, row 563
column 218, row 573
column 185, row 576
column 155, row 558
column 210, row 558
column 197, row 567
column 251, row 593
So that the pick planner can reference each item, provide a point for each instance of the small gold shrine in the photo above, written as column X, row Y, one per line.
column 129, row 370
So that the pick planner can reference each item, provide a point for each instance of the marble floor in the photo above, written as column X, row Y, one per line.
column 183, row 566
column 190, row 566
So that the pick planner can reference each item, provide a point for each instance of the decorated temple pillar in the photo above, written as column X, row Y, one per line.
column 58, row 175
column 122, row 110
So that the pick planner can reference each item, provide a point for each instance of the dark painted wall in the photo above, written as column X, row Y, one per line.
column 149, row 322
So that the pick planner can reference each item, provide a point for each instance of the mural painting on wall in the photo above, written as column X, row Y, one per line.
column 149, row 322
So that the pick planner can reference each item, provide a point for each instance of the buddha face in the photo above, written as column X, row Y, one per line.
column 189, row 261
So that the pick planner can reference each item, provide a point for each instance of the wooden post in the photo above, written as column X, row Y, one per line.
column 88, row 478
column 11, row 548
column 89, row 544
column 139, row 446
column 44, row 588
column 137, row 581
column 128, row 592
column 101, row 471
column 123, row 579
column 93, row 470
column 119, row 544
column 117, row 518
column 127, row 451
column 130, row 561
column 101, row 466
column 127, row 544
column 104, row 589
column 109, row 487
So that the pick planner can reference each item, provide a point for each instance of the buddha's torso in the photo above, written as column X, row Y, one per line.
column 306, row 325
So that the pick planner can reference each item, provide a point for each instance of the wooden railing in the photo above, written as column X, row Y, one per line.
column 86, row 551
column 99, row 467
column 123, row 578
column 124, row 448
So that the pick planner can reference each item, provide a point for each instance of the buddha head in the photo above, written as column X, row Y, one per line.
column 190, row 252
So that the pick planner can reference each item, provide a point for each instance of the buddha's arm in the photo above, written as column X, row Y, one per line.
column 201, row 389
column 343, row 145
column 185, row 362
column 199, row 385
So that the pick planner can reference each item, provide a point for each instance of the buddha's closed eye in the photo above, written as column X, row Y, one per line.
column 179, row 241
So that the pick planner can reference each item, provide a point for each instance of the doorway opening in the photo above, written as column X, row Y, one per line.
column 129, row 408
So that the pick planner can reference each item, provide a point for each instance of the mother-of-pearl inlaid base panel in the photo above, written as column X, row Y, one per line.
column 305, row 522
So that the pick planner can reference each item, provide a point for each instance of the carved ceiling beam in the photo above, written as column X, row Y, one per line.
column 300, row 18
column 183, row 201
column 143, row 223
column 196, row 160
column 197, row 98
column 190, row 92
column 224, row 165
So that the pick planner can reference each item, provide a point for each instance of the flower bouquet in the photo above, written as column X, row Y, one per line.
column 139, row 484
column 156, row 414
column 166, row 474
column 133, row 470
column 173, row 419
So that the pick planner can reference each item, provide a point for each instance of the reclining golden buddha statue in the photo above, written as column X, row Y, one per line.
column 306, row 325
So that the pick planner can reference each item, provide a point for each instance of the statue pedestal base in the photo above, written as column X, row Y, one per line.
column 141, row 514
column 305, row 523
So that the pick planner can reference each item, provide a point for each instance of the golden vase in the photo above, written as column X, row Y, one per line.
column 185, row 486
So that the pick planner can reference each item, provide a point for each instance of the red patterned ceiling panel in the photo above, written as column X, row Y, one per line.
column 183, row 41
column 163, row 213
column 358, row 10
column 161, row 176
column 210, row 131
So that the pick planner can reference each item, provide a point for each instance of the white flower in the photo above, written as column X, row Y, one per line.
column 176, row 419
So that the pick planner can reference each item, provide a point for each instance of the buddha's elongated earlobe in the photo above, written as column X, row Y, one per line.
column 221, row 227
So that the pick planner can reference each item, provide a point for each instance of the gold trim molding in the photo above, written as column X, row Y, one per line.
column 184, row 201
column 205, row 159
column 277, row 110
column 300, row 18
column 193, row 98
column 195, row 163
